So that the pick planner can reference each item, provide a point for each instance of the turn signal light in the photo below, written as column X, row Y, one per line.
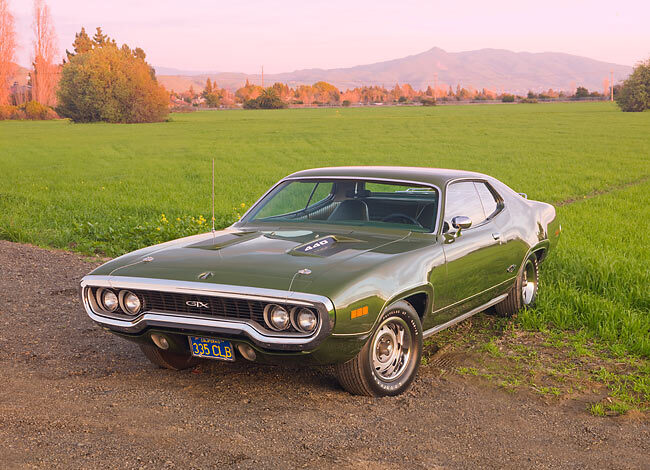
column 359, row 312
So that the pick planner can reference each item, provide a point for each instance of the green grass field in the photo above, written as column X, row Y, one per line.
column 101, row 188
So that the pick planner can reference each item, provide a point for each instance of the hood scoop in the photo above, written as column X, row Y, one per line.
column 222, row 241
column 326, row 246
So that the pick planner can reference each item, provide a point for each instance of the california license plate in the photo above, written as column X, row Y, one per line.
column 211, row 348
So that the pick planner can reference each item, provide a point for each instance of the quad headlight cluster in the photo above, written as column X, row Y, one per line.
column 302, row 319
column 124, row 300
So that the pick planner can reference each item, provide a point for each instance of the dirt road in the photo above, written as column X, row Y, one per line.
column 74, row 396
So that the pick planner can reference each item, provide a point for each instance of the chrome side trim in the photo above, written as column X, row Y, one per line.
column 452, row 322
column 472, row 296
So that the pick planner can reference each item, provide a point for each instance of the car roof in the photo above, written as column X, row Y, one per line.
column 435, row 176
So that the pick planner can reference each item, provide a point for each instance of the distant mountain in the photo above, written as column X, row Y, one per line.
column 173, row 71
column 495, row 69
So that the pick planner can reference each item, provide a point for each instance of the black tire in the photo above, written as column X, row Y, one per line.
column 517, row 298
column 359, row 376
column 167, row 359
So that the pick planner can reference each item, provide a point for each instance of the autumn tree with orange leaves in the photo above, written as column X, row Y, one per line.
column 7, row 51
column 45, row 75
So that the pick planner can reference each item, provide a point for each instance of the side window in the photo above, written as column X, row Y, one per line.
column 490, row 204
column 463, row 199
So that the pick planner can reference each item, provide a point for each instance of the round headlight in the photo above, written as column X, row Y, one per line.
column 304, row 319
column 277, row 317
column 132, row 303
column 109, row 300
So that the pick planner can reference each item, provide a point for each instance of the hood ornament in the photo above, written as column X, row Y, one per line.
column 148, row 259
column 305, row 271
column 205, row 275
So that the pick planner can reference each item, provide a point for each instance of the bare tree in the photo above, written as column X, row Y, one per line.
column 7, row 51
column 46, row 73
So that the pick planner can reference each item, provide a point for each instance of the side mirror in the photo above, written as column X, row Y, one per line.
column 461, row 222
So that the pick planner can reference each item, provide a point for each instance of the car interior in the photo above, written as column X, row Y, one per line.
column 353, row 203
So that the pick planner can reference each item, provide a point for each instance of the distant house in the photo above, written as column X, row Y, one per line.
column 20, row 94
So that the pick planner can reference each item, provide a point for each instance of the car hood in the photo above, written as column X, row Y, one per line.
column 267, row 259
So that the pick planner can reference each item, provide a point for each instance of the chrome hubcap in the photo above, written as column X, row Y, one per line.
column 391, row 349
column 529, row 284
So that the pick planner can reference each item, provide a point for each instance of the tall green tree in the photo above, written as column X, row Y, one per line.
column 634, row 95
column 100, row 39
column 211, row 94
column 581, row 92
column 208, row 87
column 82, row 43
column 268, row 99
column 327, row 93
column 111, row 84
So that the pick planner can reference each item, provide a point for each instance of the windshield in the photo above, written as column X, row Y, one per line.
column 353, row 202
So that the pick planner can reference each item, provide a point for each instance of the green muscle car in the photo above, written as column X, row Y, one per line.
column 350, row 266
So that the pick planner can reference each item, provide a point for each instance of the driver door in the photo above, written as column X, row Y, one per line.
column 471, row 255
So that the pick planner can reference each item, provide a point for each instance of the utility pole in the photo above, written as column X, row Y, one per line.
column 611, row 85
column 262, row 76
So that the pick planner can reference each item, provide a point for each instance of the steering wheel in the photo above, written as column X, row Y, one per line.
column 402, row 217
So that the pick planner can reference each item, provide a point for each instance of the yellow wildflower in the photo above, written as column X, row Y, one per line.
column 243, row 205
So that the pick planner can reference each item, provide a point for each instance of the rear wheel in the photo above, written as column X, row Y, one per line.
column 168, row 359
column 524, row 292
column 388, row 362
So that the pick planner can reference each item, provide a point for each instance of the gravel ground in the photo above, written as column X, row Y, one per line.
column 74, row 396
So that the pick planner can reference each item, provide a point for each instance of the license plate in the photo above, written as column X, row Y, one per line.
column 211, row 348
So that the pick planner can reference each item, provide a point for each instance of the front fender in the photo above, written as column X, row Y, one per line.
column 355, row 320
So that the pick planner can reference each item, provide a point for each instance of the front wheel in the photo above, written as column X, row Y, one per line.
column 388, row 362
column 524, row 292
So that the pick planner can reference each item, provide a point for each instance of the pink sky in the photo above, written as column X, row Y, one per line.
column 288, row 35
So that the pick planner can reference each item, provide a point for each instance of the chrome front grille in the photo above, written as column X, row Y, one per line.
column 189, row 304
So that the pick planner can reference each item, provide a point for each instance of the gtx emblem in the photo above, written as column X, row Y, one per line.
column 196, row 303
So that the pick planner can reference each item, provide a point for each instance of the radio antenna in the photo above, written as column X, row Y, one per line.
column 213, row 196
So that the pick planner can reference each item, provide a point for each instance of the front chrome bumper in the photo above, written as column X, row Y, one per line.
column 210, row 325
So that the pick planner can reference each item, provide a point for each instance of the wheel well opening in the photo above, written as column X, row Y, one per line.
column 540, row 254
column 418, row 302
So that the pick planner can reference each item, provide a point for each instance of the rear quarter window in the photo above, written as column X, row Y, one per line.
column 490, row 204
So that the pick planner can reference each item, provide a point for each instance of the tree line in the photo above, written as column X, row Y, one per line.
column 43, row 77
column 100, row 80
column 280, row 95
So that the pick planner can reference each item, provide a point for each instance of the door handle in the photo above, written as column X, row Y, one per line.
column 496, row 235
